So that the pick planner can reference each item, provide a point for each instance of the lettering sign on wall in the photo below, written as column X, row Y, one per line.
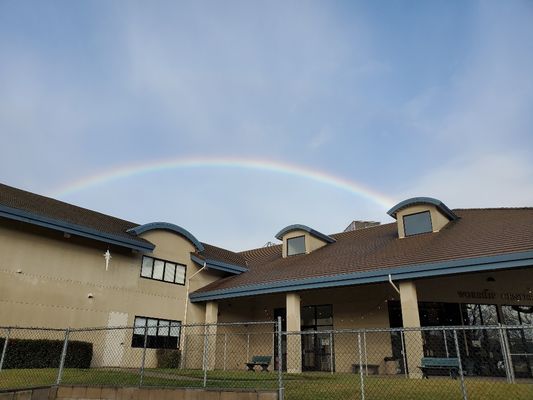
column 487, row 294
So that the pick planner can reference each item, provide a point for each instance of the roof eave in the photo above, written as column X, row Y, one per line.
column 305, row 228
column 219, row 265
column 169, row 227
column 423, row 200
column 75, row 229
column 478, row 264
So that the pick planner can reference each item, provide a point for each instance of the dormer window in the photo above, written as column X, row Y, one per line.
column 300, row 239
column 296, row 245
column 415, row 224
column 421, row 215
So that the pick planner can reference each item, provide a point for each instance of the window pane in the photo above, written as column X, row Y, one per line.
column 174, row 329
column 146, row 269
column 510, row 315
column 296, row 245
column 170, row 269
column 158, row 269
column 163, row 328
column 180, row 274
column 139, row 323
column 152, row 327
column 168, row 342
column 417, row 223
column 324, row 315
column 308, row 316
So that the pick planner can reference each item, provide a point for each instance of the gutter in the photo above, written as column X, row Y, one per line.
column 219, row 265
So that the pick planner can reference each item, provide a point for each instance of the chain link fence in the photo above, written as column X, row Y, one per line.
column 477, row 362
column 156, row 354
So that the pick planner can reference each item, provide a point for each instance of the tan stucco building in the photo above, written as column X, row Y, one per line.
column 65, row 266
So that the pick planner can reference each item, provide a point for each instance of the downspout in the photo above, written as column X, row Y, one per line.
column 182, row 329
column 393, row 285
column 187, row 292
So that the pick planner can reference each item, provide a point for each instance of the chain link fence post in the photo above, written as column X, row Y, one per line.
column 504, row 354
column 206, row 354
column 280, row 361
column 248, row 346
column 331, row 352
column 4, row 349
column 63, row 356
column 365, row 350
column 509, row 355
column 143, row 360
column 461, row 374
column 225, row 349
column 274, row 343
column 445, row 343
column 361, row 375
column 184, row 350
column 404, row 356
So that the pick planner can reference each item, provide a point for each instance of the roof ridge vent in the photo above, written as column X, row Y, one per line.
column 357, row 225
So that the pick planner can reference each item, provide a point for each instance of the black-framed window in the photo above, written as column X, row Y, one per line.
column 296, row 245
column 162, row 270
column 414, row 224
column 162, row 333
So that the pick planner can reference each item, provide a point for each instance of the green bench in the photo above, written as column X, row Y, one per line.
column 439, row 366
column 263, row 361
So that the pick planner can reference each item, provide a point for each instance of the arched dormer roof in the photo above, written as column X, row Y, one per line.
column 169, row 227
column 420, row 201
column 305, row 228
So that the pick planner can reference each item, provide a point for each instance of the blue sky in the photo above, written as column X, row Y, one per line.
column 406, row 98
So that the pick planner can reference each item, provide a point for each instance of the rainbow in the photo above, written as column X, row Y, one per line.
column 126, row 171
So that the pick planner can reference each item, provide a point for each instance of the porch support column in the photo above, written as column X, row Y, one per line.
column 294, row 342
column 211, row 319
column 411, row 319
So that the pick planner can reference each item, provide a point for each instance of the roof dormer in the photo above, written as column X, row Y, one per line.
column 300, row 239
column 421, row 215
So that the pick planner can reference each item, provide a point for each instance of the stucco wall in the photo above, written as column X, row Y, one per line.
column 46, row 279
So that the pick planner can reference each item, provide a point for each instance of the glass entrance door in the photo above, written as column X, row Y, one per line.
column 317, row 347
column 309, row 349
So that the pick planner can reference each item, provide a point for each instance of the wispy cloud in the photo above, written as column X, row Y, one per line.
column 488, row 180
column 482, row 119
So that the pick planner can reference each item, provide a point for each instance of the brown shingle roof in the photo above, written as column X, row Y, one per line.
column 217, row 253
column 60, row 211
column 477, row 233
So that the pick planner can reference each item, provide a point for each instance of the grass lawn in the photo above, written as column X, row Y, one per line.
column 307, row 386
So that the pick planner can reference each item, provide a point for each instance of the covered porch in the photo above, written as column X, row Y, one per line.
column 321, row 324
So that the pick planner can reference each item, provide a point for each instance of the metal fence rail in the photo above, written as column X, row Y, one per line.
column 475, row 362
